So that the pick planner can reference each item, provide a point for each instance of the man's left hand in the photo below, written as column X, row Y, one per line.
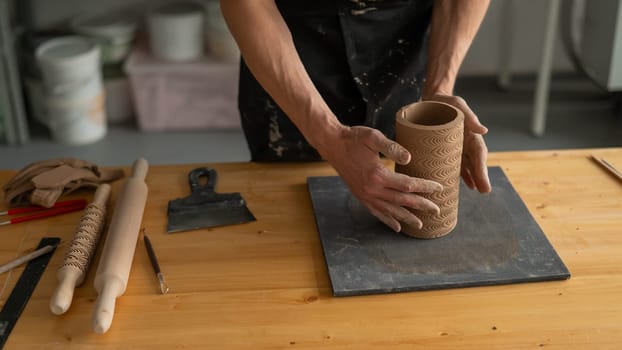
column 474, row 170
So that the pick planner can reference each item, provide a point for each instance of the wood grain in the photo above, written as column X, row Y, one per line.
column 264, row 285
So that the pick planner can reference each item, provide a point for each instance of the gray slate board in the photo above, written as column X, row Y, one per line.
column 496, row 241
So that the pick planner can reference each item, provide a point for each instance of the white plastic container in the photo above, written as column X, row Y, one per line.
column 68, row 62
column 176, row 31
column 113, row 32
column 77, row 117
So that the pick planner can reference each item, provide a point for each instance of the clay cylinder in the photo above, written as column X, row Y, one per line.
column 433, row 133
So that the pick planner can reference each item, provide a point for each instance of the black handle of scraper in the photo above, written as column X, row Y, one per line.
column 194, row 178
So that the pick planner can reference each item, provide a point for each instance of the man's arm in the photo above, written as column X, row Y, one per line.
column 454, row 25
column 268, row 49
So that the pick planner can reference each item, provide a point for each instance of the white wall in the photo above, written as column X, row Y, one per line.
column 601, row 49
column 527, row 22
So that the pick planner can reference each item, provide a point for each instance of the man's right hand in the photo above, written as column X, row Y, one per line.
column 387, row 195
column 269, row 51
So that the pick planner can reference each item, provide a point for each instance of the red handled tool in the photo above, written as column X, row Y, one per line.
column 42, row 212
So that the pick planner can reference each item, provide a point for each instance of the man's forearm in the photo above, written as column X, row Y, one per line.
column 268, row 50
column 454, row 25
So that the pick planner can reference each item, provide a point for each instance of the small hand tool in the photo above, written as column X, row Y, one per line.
column 154, row 262
column 607, row 166
column 205, row 207
column 42, row 212
column 26, row 258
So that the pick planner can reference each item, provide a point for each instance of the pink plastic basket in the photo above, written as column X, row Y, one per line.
column 181, row 96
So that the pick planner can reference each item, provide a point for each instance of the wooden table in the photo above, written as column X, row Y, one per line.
column 264, row 285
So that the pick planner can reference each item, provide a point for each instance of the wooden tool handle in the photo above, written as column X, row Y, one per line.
column 116, row 259
column 105, row 305
column 100, row 198
column 139, row 170
column 63, row 295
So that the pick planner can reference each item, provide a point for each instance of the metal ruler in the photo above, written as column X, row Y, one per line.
column 23, row 289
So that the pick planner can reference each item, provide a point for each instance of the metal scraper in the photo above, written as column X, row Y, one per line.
column 204, row 207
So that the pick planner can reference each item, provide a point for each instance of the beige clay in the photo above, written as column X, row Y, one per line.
column 433, row 133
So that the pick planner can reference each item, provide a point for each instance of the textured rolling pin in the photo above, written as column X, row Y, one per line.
column 80, row 253
column 116, row 259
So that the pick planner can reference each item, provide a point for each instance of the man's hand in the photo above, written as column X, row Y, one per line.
column 454, row 25
column 385, row 193
column 474, row 152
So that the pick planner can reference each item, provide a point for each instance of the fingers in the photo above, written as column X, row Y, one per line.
column 386, row 219
column 480, row 177
column 393, row 216
column 391, row 196
column 376, row 141
column 411, row 201
column 479, row 169
column 392, row 202
column 474, row 169
column 471, row 122
column 465, row 173
column 400, row 189
column 405, row 183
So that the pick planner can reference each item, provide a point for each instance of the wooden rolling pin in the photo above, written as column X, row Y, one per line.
column 80, row 253
column 116, row 259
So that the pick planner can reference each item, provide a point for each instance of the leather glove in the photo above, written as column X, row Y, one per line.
column 43, row 182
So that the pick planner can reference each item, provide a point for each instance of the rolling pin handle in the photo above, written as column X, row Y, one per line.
column 104, row 308
column 140, row 168
column 63, row 295
column 101, row 195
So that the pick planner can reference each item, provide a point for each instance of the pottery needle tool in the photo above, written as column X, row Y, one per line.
column 154, row 263
column 37, row 212
column 26, row 258
column 607, row 166
column 80, row 253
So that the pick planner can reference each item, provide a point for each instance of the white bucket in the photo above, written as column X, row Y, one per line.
column 176, row 31
column 77, row 117
column 68, row 62
column 113, row 32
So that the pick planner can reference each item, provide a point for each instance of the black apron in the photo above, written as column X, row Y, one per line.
column 366, row 59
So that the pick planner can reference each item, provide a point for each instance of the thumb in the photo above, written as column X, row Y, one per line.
column 391, row 149
column 472, row 123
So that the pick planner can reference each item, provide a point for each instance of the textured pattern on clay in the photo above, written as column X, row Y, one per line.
column 433, row 133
